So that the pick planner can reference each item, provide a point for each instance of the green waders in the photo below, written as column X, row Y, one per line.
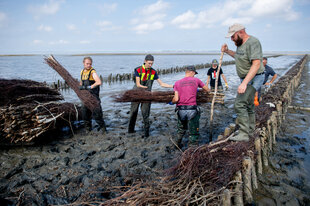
column 244, row 107
column 145, row 109
column 192, row 125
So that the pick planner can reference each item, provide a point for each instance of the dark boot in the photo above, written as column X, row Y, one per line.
column 146, row 132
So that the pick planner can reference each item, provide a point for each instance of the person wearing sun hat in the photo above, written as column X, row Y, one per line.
column 250, row 70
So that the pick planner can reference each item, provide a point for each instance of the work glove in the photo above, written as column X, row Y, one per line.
column 170, row 103
column 85, row 87
column 226, row 86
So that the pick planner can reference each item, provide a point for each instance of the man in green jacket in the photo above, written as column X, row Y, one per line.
column 250, row 70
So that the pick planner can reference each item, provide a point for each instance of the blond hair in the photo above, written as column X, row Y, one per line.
column 89, row 58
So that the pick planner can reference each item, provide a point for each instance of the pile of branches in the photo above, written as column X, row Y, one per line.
column 17, row 92
column 142, row 95
column 28, row 109
column 198, row 179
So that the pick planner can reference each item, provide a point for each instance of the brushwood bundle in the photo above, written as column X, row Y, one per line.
column 29, row 109
column 141, row 95
column 89, row 100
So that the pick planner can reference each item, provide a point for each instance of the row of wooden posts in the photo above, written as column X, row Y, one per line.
column 245, row 181
column 111, row 78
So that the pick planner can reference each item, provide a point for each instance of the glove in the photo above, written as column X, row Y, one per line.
column 170, row 103
column 226, row 86
column 85, row 87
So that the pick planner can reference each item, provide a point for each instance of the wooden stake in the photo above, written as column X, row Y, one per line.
column 215, row 91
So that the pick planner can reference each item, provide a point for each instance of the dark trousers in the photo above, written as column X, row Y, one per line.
column 192, row 125
column 97, row 115
column 145, row 109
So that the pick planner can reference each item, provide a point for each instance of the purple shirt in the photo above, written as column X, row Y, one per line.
column 187, row 89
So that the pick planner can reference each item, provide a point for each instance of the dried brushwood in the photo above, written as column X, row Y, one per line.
column 89, row 100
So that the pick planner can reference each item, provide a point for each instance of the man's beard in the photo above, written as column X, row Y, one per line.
column 239, row 41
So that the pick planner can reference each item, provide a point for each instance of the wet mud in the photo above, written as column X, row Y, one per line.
column 85, row 167
column 286, row 181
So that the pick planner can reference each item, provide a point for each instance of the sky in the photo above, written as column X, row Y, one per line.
column 98, row 26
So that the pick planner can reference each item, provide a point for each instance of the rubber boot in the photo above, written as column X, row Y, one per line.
column 103, row 128
column 252, row 123
column 243, row 130
column 146, row 132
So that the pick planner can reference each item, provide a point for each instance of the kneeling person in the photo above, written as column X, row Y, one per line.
column 185, row 92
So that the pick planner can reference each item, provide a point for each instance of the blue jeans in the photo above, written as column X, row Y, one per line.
column 257, row 81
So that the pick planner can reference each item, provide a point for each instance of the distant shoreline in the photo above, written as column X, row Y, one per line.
column 153, row 53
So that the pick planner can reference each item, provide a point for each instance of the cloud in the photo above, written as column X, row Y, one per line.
column 49, row 8
column 107, row 26
column 36, row 41
column 3, row 19
column 107, row 8
column 45, row 28
column 58, row 42
column 280, row 8
column 233, row 11
column 150, row 18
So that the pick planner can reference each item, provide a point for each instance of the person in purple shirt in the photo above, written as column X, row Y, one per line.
column 185, row 92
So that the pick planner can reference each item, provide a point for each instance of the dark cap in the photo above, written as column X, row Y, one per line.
column 149, row 57
column 214, row 61
column 191, row 68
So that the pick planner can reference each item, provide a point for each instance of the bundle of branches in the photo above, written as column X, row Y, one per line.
column 17, row 92
column 198, row 179
column 142, row 95
column 26, row 122
column 85, row 96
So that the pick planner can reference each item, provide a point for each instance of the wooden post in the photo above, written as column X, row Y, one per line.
column 237, row 190
column 246, row 177
column 258, row 149
column 226, row 198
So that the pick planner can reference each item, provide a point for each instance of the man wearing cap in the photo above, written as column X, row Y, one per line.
column 144, row 77
column 212, row 75
column 250, row 69
column 185, row 91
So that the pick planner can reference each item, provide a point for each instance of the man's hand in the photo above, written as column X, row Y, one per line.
column 242, row 87
column 88, row 87
column 224, row 48
column 267, row 83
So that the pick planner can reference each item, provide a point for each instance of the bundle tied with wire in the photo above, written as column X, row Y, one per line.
column 142, row 95
column 89, row 100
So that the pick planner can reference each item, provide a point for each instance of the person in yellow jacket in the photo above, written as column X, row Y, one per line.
column 91, row 81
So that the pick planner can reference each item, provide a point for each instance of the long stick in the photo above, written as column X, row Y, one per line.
column 215, row 91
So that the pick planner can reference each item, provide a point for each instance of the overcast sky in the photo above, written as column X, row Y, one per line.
column 76, row 26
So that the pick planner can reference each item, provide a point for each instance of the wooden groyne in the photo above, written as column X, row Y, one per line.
column 223, row 172
column 269, row 116
column 115, row 78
